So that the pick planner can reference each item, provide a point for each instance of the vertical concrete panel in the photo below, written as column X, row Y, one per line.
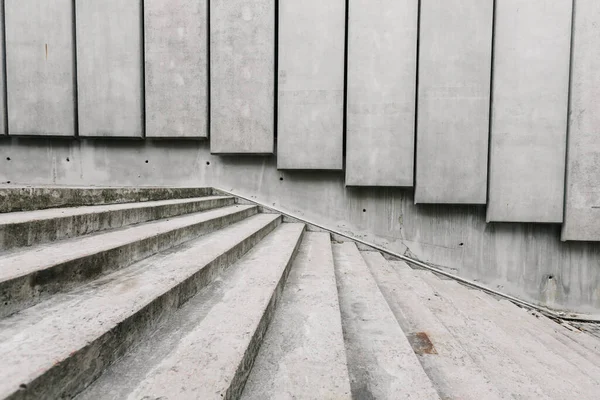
column 382, row 59
column 3, row 115
column 40, row 67
column 242, row 69
column 109, row 67
column 453, row 102
column 582, row 208
column 176, row 60
column 529, row 110
column 311, row 84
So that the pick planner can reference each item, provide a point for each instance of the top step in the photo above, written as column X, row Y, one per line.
column 39, row 198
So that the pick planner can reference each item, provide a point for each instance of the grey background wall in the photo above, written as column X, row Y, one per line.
column 429, row 99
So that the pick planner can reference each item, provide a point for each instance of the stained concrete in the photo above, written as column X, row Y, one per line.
column 242, row 76
column 455, row 56
column 303, row 354
column 515, row 258
column 311, row 84
column 32, row 274
column 176, row 68
column 381, row 362
column 3, row 112
column 109, row 68
column 532, row 45
column 582, row 198
column 382, row 77
column 40, row 67
column 106, row 317
column 36, row 227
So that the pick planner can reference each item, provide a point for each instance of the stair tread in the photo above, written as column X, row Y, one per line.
column 204, row 362
column 18, row 217
column 453, row 372
column 303, row 354
column 381, row 361
column 34, row 340
column 25, row 261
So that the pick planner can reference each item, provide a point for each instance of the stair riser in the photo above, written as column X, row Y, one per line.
column 22, row 292
column 44, row 231
column 243, row 371
column 70, row 376
column 29, row 199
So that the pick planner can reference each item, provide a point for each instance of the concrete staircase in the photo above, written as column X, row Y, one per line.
column 186, row 294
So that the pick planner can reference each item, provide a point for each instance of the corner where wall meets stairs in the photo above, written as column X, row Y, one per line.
column 186, row 293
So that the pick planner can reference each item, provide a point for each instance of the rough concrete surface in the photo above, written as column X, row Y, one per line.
column 303, row 354
column 176, row 68
column 528, row 137
column 109, row 68
column 311, row 84
column 455, row 56
column 381, row 362
column 242, row 76
column 32, row 274
column 382, row 77
column 582, row 197
column 91, row 327
column 40, row 67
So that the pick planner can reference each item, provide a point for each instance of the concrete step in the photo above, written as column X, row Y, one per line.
column 207, row 351
column 452, row 370
column 381, row 362
column 39, row 198
column 57, row 348
column 31, row 275
column 558, row 378
column 19, row 229
column 303, row 354
column 505, row 373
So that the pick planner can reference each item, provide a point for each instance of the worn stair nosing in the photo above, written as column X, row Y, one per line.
column 56, row 380
column 29, row 228
column 28, row 288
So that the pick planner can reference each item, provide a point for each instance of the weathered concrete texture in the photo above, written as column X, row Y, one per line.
column 455, row 57
column 242, row 116
column 311, row 84
column 38, row 198
column 37, row 227
column 303, row 354
column 515, row 258
column 381, row 362
column 214, row 360
column 31, row 275
column 3, row 112
column 382, row 76
column 40, row 67
column 106, row 317
column 176, row 68
column 529, row 110
column 453, row 372
column 582, row 199
column 109, row 67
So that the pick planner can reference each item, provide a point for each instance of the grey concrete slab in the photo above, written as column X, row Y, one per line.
column 530, row 90
column 582, row 198
column 31, row 275
column 311, row 84
column 382, row 78
column 59, row 347
column 214, row 360
column 303, row 354
column 242, row 83
column 40, row 67
column 176, row 68
column 452, row 371
column 109, row 67
column 3, row 111
column 36, row 227
column 455, row 57
column 381, row 362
